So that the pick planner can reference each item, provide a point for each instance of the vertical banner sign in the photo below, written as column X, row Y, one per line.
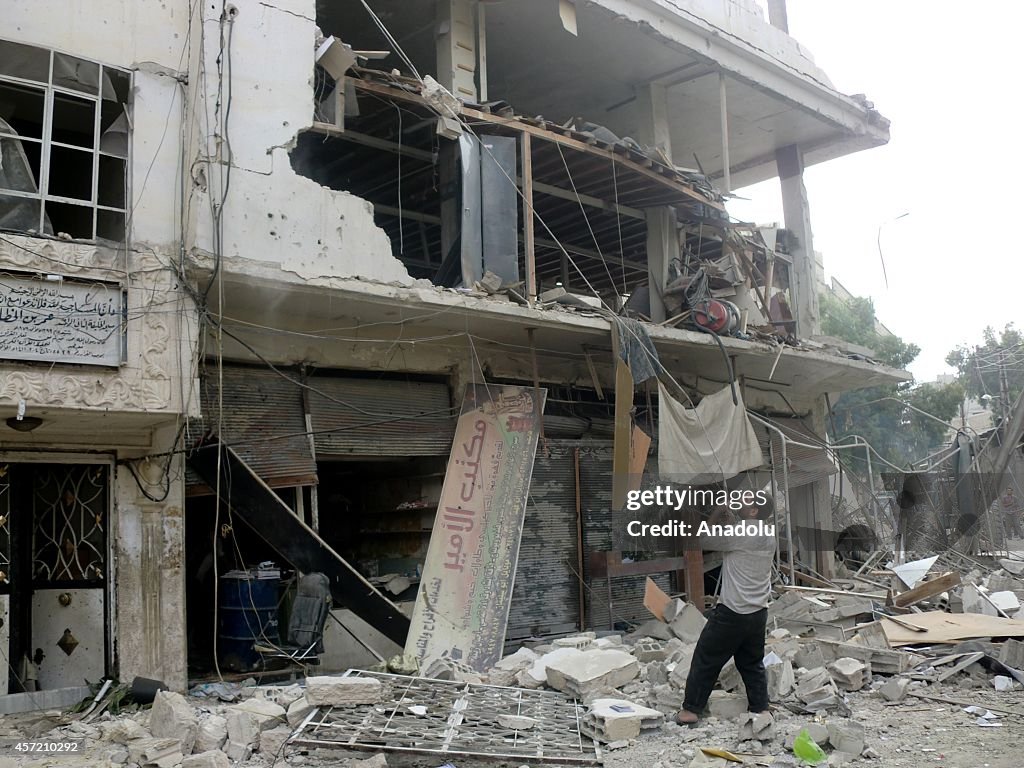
column 461, row 611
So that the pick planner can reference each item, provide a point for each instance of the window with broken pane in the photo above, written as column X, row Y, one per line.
column 63, row 144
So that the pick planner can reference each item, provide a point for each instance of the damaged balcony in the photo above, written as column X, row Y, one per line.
column 455, row 194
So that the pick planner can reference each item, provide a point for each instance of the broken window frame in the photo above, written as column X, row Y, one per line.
column 95, row 96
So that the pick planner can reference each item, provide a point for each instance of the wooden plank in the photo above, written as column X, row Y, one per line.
column 943, row 627
column 964, row 703
column 655, row 599
column 823, row 591
column 906, row 624
column 521, row 125
column 960, row 666
column 926, row 589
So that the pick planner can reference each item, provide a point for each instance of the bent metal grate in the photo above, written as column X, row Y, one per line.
column 442, row 717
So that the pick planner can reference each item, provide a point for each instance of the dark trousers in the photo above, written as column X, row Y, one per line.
column 729, row 635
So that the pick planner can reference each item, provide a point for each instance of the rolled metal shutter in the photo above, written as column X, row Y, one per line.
column 627, row 592
column 806, row 465
column 545, row 599
column 262, row 420
column 380, row 417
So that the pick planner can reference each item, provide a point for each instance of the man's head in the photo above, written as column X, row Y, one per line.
column 765, row 511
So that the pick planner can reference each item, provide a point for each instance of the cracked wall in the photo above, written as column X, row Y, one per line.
column 271, row 213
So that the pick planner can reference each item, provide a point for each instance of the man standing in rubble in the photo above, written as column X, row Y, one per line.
column 736, row 626
column 1010, row 510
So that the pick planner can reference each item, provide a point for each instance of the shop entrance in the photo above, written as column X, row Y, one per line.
column 54, row 519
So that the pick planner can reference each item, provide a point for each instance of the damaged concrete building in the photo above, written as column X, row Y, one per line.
column 305, row 226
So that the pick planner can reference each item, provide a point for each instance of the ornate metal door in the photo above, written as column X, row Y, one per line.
column 69, row 571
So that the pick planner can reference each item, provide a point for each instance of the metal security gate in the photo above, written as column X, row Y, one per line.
column 54, row 557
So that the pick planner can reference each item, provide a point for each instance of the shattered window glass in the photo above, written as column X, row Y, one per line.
column 64, row 131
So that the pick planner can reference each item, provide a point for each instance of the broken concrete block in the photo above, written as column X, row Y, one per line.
column 404, row 664
column 756, row 725
column 525, row 679
column 688, row 623
column 1002, row 683
column 652, row 628
column 779, row 634
column 579, row 642
column 673, row 609
column 846, row 736
column 298, row 710
column 895, row 689
column 521, row 659
column 840, row 759
column 727, row 706
column 647, row 649
column 586, row 673
column 1006, row 601
column 207, row 759
column 817, row 731
column 271, row 742
column 122, row 731
column 161, row 753
column 1012, row 653
column 378, row 760
column 343, row 691
column 173, row 718
column 809, row 656
column 619, row 719
column 677, row 674
column 667, row 699
column 552, row 294
column 211, row 733
column 656, row 673
column 781, row 679
column 974, row 601
column 517, row 722
column 850, row 674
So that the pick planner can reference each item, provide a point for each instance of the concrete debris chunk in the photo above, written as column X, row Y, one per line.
column 211, row 733
column 517, row 722
column 727, row 706
column 404, row 664
column 620, row 719
column 817, row 731
column 536, row 674
column 161, row 753
column 172, row 717
column 213, row 758
column 122, row 731
column 850, row 674
column 781, row 679
column 343, row 691
column 1002, row 683
column 688, row 623
column 1012, row 653
column 272, row 741
column 1006, row 601
column 895, row 689
column 518, row 660
column 846, row 735
column 756, row 725
column 652, row 628
column 298, row 710
column 810, row 656
column 729, row 678
column 378, row 760
column 647, row 649
column 673, row 609
column 586, row 673
column 579, row 642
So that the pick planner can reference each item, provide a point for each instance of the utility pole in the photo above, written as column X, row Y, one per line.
column 1004, row 387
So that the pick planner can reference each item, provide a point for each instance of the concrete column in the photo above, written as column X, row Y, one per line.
column 820, row 500
column 662, row 237
column 457, row 47
column 804, row 276
column 777, row 15
column 150, row 580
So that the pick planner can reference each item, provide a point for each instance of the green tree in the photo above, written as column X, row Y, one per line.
column 903, row 422
column 981, row 367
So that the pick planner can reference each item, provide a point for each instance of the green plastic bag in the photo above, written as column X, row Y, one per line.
column 805, row 748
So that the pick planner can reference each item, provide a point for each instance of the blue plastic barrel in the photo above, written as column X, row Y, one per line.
column 247, row 613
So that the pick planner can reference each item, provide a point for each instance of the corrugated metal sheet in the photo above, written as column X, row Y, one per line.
column 381, row 417
column 259, row 408
column 805, row 464
column 545, row 600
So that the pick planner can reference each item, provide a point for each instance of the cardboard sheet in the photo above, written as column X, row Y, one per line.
column 950, row 628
